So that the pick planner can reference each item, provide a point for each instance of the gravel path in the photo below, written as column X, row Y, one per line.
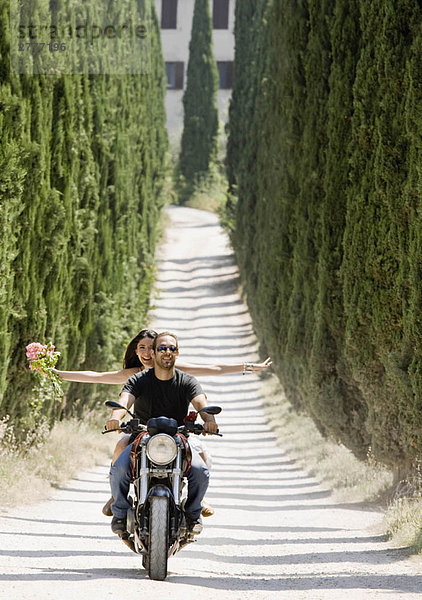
column 276, row 533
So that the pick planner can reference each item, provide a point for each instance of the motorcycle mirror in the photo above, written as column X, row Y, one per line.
column 211, row 410
column 112, row 404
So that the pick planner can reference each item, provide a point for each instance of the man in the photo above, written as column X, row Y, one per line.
column 161, row 391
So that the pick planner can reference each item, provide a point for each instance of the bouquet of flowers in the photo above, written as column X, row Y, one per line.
column 42, row 359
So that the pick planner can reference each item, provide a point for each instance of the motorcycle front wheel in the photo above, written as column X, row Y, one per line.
column 158, row 537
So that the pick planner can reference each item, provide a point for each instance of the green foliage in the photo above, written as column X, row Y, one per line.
column 82, row 165
column 243, row 139
column 324, row 168
column 200, row 125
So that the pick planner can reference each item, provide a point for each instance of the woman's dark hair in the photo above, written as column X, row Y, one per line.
column 131, row 359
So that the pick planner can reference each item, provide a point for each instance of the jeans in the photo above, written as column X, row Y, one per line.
column 121, row 475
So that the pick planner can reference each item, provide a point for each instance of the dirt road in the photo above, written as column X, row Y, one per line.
column 276, row 532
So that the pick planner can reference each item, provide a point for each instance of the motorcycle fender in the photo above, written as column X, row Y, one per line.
column 160, row 490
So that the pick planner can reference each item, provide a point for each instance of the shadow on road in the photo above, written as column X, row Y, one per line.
column 267, row 582
column 254, row 581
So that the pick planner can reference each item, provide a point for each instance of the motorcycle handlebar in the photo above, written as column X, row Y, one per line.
column 128, row 428
column 195, row 428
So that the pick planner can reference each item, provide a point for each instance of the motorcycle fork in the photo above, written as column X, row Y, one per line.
column 177, row 476
column 141, row 488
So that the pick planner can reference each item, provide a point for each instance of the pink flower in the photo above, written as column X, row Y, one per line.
column 34, row 349
column 34, row 346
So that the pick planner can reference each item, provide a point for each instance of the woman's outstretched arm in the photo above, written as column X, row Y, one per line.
column 222, row 369
column 111, row 377
column 97, row 377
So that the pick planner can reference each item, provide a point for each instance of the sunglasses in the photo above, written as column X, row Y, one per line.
column 165, row 348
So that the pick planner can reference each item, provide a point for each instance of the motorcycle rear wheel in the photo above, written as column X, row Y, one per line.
column 158, row 537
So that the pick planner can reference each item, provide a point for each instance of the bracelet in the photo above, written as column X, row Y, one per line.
column 247, row 368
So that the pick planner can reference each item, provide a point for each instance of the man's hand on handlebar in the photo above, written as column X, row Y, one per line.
column 112, row 425
column 210, row 427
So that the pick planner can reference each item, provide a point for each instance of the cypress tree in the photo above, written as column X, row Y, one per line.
column 310, row 172
column 83, row 163
column 336, row 400
column 410, row 372
column 377, row 229
column 200, row 123
column 242, row 142
column 246, row 74
column 264, row 235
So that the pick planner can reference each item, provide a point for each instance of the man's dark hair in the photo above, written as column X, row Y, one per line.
column 162, row 334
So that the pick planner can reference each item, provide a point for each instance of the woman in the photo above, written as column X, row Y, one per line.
column 139, row 356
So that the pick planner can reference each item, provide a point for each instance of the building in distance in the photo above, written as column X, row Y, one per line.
column 175, row 19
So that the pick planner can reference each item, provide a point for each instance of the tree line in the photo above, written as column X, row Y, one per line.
column 82, row 165
column 324, row 164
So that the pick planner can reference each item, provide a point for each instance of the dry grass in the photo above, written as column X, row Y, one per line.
column 403, row 519
column 50, row 460
column 403, row 522
column 202, row 201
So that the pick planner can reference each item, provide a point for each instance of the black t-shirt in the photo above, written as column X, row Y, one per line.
column 155, row 397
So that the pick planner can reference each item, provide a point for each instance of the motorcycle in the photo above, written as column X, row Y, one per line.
column 156, row 523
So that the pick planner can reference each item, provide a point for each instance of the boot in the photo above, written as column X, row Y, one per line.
column 207, row 509
column 107, row 507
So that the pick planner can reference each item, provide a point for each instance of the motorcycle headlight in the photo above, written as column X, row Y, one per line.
column 161, row 449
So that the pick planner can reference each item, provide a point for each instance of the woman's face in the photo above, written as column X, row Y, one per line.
column 144, row 352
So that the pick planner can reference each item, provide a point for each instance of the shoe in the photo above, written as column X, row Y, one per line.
column 118, row 526
column 207, row 509
column 107, row 507
column 194, row 526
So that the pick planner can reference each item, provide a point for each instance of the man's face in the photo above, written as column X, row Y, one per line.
column 164, row 356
